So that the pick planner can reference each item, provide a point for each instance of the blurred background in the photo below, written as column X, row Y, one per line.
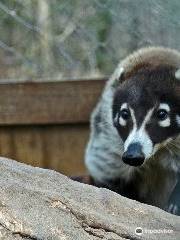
column 55, row 56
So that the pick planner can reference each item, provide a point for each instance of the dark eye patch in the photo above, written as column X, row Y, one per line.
column 116, row 120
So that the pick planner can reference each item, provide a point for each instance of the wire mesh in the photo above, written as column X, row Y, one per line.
column 69, row 39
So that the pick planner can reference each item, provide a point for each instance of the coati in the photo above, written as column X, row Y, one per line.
column 134, row 145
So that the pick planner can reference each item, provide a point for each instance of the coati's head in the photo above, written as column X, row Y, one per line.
column 146, row 111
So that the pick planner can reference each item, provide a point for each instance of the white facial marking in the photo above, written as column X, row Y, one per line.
column 124, row 106
column 177, row 74
column 166, row 122
column 140, row 135
column 164, row 106
column 178, row 120
column 123, row 122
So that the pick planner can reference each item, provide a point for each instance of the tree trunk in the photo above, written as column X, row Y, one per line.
column 43, row 19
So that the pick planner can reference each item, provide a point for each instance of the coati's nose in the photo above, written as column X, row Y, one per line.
column 134, row 155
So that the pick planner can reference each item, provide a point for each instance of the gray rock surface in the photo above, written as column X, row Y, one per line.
column 43, row 204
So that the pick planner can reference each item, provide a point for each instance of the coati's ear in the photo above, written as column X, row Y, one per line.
column 177, row 74
column 118, row 76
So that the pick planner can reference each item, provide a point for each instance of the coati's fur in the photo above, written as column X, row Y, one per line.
column 151, row 71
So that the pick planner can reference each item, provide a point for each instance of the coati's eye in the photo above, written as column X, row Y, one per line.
column 125, row 114
column 162, row 114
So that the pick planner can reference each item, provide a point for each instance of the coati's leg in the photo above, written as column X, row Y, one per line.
column 174, row 201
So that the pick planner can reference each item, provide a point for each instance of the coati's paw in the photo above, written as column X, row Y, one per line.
column 174, row 209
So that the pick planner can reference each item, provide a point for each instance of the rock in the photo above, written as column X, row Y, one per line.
column 43, row 204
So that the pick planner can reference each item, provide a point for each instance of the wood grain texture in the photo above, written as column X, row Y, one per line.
column 48, row 102
column 58, row 147
column 45, row 124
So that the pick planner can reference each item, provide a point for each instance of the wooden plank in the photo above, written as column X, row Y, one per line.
column 48, row 102
column 58, row 147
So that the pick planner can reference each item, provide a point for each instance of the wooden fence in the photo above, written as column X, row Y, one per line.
column 46, row 124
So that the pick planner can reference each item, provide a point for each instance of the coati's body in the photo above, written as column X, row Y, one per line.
column 134, row 146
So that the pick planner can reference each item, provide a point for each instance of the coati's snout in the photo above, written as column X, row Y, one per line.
column 133, row 156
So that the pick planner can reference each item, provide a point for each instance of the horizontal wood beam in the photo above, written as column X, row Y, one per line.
column 48, row 102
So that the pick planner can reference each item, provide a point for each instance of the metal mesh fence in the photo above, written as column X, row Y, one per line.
column 69, row 39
